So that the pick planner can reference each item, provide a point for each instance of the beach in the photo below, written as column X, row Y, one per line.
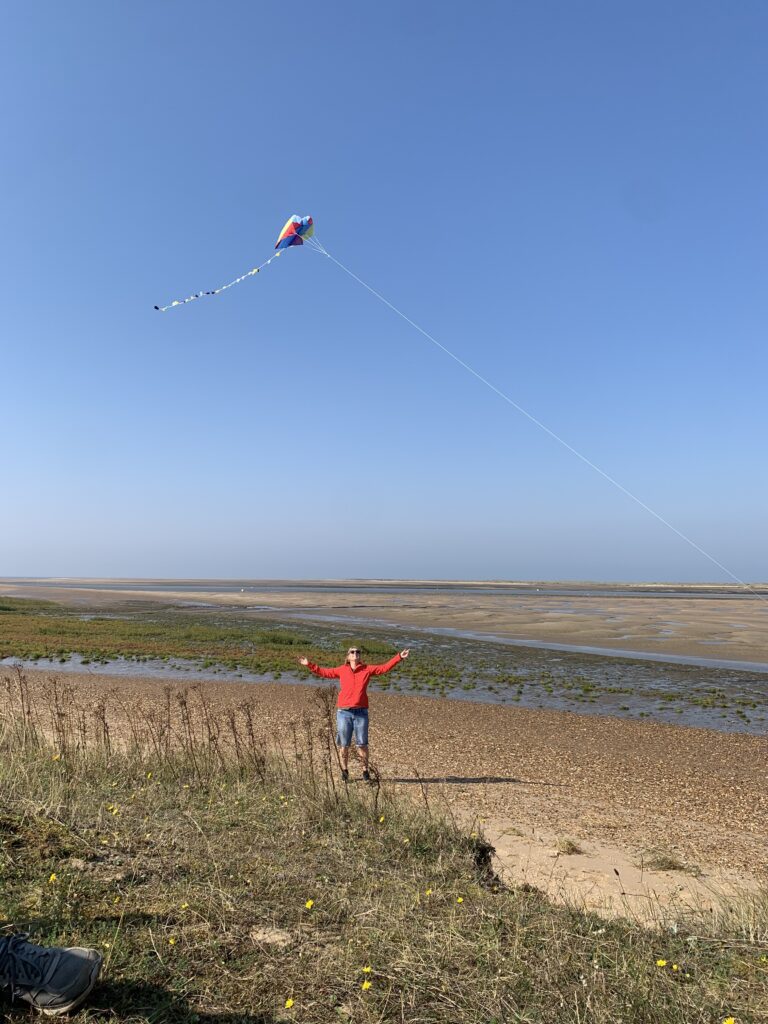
column 620, row 814
column 536, row 782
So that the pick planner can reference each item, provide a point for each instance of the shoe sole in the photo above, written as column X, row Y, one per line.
column 95, row 971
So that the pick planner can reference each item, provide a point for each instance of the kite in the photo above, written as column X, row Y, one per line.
column 295, row 230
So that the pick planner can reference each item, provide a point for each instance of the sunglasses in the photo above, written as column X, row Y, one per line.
column 354, row 650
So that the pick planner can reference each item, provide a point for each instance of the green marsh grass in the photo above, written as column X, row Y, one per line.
column 230, row 881
column 34, row 630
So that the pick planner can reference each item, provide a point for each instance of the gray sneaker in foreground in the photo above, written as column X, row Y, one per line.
column 53, row 979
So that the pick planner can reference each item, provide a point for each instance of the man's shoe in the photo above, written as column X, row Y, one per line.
column 344, row 775
column 53, row 979
column 366, row 776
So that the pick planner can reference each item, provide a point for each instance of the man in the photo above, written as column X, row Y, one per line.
column 352, row 704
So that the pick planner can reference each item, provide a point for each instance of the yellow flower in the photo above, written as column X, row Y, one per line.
column 729, row 1020
column 428, row 892
column 172, row 941
column 367, row 970
column 288, row 1004
column 185, row 906
column 52, row 878
column 675, row 967
column 661, row 963
column 149, row 775
column 406, row 840
column 381, row 819
column 366, row 985
column 459, row 899
column 309, row 904
column 473, row 835
column 116, row 899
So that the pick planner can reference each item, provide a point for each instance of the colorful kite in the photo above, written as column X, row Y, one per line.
column 296, row 229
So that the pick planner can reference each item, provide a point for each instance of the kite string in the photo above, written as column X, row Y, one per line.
column 320, row 248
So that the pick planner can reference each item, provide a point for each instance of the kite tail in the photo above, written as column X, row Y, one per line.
column 223, row 288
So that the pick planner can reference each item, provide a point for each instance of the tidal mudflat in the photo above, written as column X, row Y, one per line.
column 724, row 623
column 246, row 644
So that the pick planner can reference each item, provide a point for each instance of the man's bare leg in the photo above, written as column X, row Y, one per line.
column 362, row 753
column 344, row 758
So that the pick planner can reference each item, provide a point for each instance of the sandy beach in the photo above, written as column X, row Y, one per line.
column 622, row 792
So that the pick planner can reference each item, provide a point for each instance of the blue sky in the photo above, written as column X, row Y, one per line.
column 572, row 198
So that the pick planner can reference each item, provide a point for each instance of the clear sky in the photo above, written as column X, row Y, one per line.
column 573, row 198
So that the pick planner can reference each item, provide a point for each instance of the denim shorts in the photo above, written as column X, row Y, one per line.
column 348, row 719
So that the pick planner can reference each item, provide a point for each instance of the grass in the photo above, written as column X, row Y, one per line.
column 34, row 634
column 568, row 847
column 230, row 882
column 25, row 606
column 662, row 861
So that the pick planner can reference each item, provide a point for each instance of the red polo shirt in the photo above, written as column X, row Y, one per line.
column 353, row 683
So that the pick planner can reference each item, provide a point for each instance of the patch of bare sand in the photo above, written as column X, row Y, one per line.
column 612, row 880
column 621, row 791
column 724, row 627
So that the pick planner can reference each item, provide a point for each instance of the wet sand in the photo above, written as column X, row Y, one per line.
column 621, row 790
column 725, row 623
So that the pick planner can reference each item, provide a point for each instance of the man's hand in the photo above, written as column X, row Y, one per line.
column 304, row 661
column 405, row 653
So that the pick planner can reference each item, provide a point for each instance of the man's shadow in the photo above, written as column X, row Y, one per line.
column 469, row 780
column 455, row 779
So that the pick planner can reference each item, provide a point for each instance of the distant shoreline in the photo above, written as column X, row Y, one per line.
column 174, row 583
